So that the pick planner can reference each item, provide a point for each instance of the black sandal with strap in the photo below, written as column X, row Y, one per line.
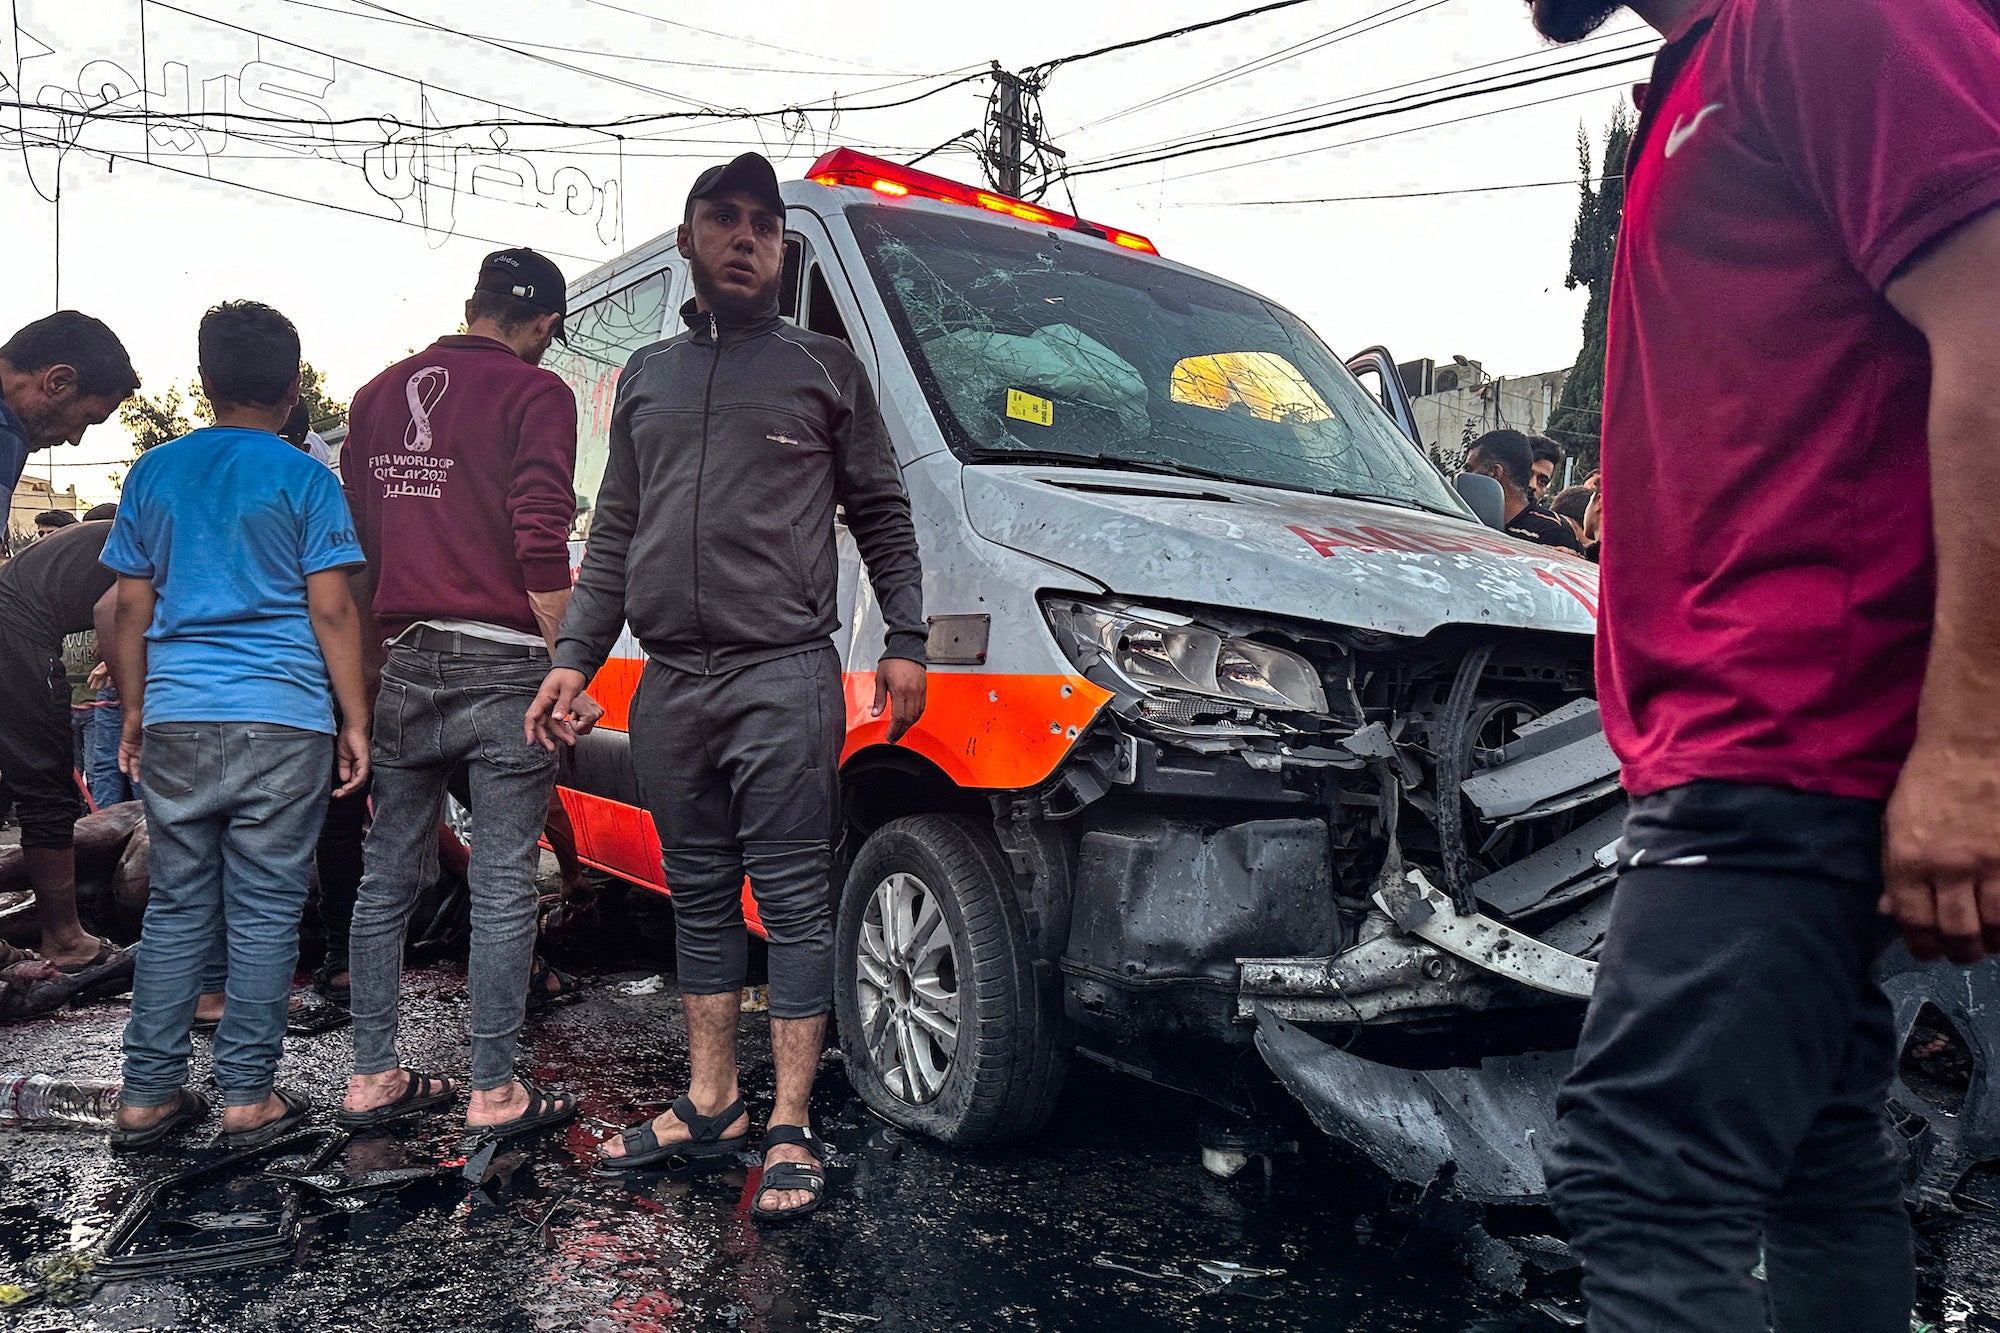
column 421, row 1092
column 786, row 1177
column 704, row 1146
column 544, row 1109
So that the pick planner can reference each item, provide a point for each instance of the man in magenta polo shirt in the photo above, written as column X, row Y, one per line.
column 1799, row 660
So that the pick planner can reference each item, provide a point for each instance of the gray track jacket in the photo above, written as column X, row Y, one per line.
column 714, row 530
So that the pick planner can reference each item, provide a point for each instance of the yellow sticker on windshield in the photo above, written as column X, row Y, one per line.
column 1027, row 407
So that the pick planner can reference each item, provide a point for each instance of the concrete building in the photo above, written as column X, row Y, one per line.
column 1457, row 401
column 33, row 496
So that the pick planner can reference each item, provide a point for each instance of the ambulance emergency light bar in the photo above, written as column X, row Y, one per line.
column 844, row 166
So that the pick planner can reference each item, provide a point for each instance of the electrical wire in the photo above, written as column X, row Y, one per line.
column 1407, row 194
column 1376, row 138
column 1562, row 61
column 1285, row 117
column 624, row 55
column 111, row 155
column 1365, row 114
column 727, row 37
column 1049, row 66
column 1332, row 37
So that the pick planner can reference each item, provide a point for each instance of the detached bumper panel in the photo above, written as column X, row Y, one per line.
column 1478, row 1126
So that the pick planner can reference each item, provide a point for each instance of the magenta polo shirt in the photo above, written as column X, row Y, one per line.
column 1767, row 569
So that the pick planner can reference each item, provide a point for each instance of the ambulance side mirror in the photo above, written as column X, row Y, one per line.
column 1485, row 496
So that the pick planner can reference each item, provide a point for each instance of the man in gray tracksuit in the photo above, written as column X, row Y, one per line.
column 730, row 447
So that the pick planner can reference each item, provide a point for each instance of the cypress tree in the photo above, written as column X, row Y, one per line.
column 1578, row 417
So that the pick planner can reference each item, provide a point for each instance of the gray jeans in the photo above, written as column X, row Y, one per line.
column 741, row 772
column 435, row 712
column 233, row 808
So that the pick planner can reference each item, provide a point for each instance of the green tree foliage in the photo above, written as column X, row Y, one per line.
column 153, row 420
column 322, row 410
column 1578, row 417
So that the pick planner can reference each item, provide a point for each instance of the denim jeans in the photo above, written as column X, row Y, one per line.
column 108, row 784
column 232, row 809
column 437, row 711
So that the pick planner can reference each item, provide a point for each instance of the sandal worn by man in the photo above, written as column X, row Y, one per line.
column 421, row 1092
column 704, row 1145
column 785, row 1177
column 297, row 1108
column 190, row 1109
column 544, row 1109
column 541, row 998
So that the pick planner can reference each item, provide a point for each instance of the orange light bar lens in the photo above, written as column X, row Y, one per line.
column 844, row 166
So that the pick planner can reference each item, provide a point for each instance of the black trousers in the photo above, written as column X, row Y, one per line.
column 37, row 746
column 740, row 772
column 1731, row 1082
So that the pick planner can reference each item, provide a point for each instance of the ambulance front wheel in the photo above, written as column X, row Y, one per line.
column 944, row 1028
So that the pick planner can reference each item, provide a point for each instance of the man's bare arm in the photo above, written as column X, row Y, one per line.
column 336, row 623
column 132, row 616
column 549, row 608
column 1942, row 858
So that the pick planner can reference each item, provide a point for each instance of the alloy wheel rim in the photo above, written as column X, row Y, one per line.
column 907, row 981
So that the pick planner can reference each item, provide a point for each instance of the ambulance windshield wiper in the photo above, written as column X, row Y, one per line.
column 1171, row 467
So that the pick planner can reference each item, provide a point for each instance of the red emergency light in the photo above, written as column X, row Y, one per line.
column 844, row 166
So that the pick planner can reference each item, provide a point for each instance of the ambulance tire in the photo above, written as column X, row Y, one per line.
column 1007, row 1068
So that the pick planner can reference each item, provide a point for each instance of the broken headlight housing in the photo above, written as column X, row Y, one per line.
column 1160, row 653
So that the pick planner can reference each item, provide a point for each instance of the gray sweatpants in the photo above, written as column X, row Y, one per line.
column 740, row 772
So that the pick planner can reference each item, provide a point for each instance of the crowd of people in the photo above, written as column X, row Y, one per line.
column 301, row 664
column 1797, row 651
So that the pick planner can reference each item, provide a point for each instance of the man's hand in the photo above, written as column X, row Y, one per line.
column 1941, row 853
column 100, row 677
column 561, row 710
column 130, row 741
column 899, row 686
column 351, row 757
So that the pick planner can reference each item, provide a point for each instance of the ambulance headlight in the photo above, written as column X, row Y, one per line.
column 1159, row 652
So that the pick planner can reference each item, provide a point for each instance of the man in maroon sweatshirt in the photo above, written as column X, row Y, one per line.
column 459, row 463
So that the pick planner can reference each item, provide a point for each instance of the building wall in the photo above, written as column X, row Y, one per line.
column 31, row 497
column 1448, row 422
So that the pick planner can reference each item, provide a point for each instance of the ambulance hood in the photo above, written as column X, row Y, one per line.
column 1311, row 557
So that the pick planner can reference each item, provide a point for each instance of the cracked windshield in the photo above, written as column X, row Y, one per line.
column 1033, row 346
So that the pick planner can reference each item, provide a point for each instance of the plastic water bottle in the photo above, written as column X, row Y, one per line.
column 45, row 1100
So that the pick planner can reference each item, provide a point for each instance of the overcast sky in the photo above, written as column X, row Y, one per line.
column 147, row 250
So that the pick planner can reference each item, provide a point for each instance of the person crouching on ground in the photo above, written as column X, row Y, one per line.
column 232, row 551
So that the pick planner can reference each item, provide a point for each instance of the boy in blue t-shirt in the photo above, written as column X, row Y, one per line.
column 232, row 550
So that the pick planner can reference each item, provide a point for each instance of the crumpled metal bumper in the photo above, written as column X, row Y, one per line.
column 1478, row 1128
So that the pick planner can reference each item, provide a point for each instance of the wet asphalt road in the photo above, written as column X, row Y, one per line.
column 1033, row 1235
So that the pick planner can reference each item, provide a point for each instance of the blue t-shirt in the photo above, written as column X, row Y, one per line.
column 228, row 523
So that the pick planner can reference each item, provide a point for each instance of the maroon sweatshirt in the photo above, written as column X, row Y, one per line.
column 459, row 465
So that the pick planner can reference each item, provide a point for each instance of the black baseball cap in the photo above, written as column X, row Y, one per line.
column 751, row 173
column 527, row 276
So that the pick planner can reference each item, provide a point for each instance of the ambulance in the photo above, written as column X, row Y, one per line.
column 1253, row 757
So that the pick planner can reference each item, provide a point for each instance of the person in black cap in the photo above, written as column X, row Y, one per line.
column 459, row 466
column 714, row 535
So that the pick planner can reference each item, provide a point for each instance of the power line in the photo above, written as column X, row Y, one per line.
column 1376, row 138
column 1335, row 122
column 111, row 155
column 709, row 32
column 497, row 122
column 1407, row 194
column 1049, row 66
column 1283, row 117
column 1331, row 37
column 623, row 55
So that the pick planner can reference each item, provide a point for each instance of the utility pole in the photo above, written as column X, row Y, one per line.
column 1013, row 140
